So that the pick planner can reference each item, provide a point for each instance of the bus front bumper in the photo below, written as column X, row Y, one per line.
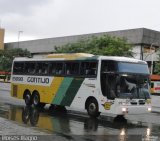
column 123, row 110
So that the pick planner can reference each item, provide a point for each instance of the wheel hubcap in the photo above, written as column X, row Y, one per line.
column 36, row 100
column 92, row 107
column 27, row 99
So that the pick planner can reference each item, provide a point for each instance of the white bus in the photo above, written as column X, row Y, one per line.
column 98, row 84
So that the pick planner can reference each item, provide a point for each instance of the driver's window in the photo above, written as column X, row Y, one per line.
column 108, row 66
column 108, row 79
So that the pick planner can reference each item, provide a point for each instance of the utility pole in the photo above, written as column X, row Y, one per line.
column 19, row 33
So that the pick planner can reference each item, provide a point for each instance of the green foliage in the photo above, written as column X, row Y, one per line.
column 7, row 56
column 103, row 45
column 157, row 68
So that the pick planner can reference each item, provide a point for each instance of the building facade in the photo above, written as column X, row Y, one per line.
column 145, row 43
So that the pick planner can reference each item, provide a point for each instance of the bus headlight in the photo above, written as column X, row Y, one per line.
column 149, row 109
column 148, row 131
column 124, row 109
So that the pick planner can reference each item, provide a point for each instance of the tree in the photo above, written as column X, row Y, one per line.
column 7, row 56
column 157, row 65
column 157, row 68
column 103, row 45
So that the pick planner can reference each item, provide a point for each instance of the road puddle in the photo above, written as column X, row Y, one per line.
column 68, row 125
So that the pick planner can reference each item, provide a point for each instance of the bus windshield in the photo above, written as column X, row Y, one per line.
column 132, row 68
column 132, row 86
column 124, row 80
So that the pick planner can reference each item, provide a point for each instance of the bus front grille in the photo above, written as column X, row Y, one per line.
column 133, row 103
column 141, row 102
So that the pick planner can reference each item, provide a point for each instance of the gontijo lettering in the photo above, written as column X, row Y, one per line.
column 38, row 80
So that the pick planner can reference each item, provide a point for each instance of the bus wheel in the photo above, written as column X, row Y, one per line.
column 27, row 98
column 26, row 114
column 92, row 108
column 34, row 117
column 36, row 100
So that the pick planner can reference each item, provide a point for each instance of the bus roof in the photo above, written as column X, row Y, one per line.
column 122, row 59
column 69, row 56
column 80, row 56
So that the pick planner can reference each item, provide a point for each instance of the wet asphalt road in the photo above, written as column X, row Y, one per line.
column 72, row 126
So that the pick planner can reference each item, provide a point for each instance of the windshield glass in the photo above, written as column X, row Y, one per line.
column 132, row 86
column 124, row 80
column 126, row 86
column 133, row 68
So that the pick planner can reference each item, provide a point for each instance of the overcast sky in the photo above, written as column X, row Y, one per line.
column 55, row 18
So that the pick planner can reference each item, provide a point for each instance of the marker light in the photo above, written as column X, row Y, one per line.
column 149, row 109
column 148, row 131
column 122, row 133
column 124, row 109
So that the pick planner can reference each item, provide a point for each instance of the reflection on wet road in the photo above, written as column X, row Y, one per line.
column 69, row 125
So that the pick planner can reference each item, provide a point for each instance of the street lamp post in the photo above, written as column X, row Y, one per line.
column 152, row 57
column 19, row 33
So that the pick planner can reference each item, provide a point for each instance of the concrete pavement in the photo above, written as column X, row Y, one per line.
column 8, row 127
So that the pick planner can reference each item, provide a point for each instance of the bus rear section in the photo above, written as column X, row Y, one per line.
column 155, row 87
column 155, row 84
column 155, row 92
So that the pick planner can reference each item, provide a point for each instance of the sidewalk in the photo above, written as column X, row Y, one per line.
column 5, row 86
column 8, row 127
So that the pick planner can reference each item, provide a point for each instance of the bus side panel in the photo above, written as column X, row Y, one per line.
column 47, row 93
column 87, row 88
column 72, row 91
column 16, row 90
column 52, row 90
column 62, row 90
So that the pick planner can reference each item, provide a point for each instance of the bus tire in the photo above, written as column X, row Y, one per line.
column 26, row 114
column 34, row 117
column 92, row 108
column 27, row 98
column 36, row 100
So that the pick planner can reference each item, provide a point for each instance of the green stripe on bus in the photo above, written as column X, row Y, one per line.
column 56, row 124
column 59, row 124
column 62, row 90
column 72, row 91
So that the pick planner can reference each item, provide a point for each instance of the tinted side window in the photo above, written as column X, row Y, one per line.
column 108, row 66
column 30, row 67
column 59, row 69
column 45, row 68
column 39, row 68
column 52, row 68
column 42, row 68
column 88, row 68
column 72, row 68
column 18, row 68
